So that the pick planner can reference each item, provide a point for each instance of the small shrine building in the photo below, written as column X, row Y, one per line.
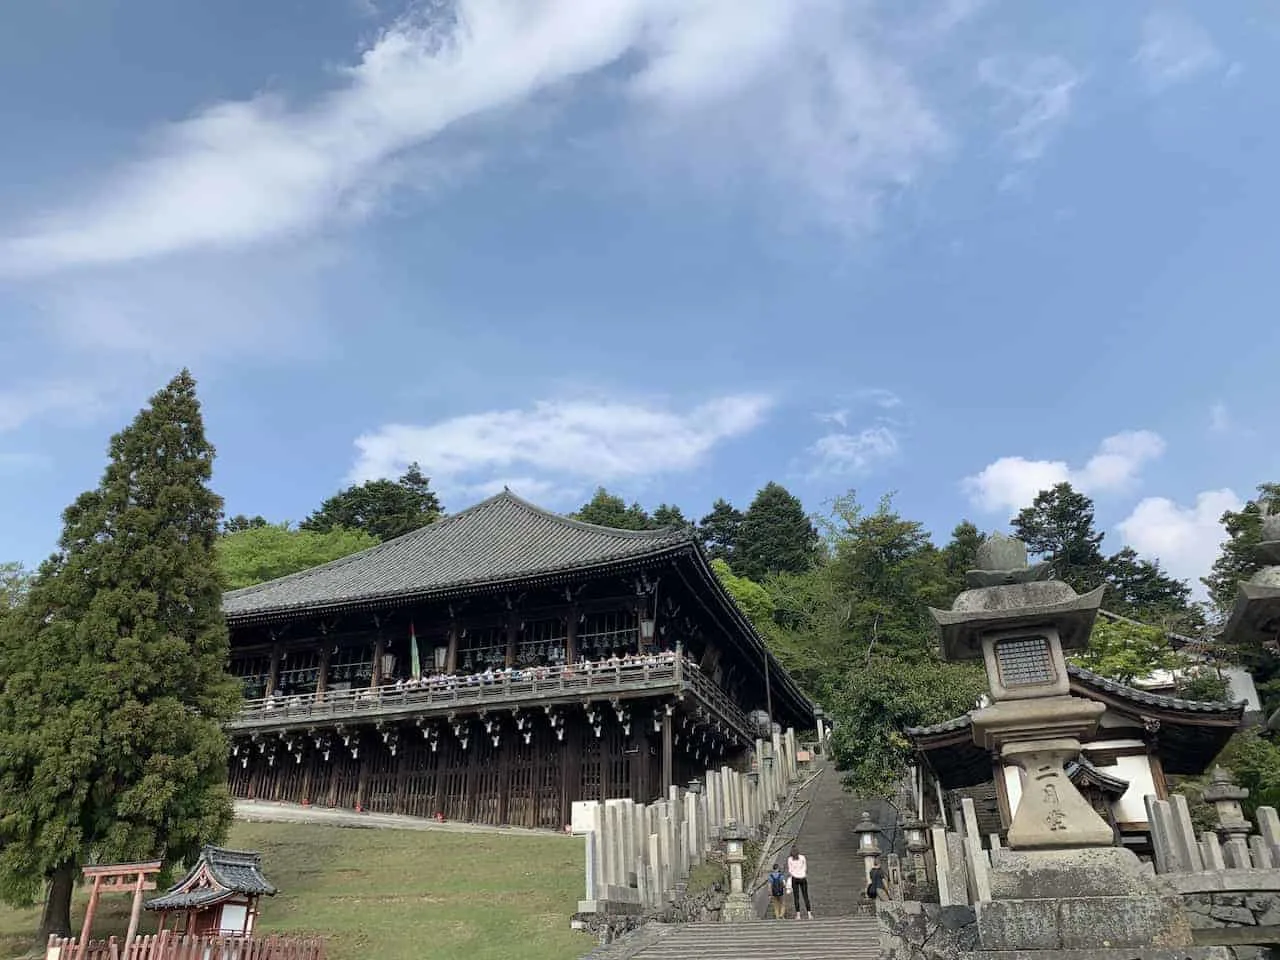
column 218, row 896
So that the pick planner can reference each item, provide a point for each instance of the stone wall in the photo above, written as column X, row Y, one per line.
column 926, row 931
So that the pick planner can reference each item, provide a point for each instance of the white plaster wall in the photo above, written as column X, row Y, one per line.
column 232, row 920
column 1132, row 807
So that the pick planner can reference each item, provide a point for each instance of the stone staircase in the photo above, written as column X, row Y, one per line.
column 841, row 938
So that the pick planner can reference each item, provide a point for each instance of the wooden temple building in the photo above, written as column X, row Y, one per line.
column 495, row 667
column 1143, row 739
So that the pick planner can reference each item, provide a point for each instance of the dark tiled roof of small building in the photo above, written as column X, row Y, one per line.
column 961, row 722
column 1089, row 679
column 232, row 872
column 501, row 539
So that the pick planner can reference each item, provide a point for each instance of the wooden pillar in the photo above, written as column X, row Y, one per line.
column 570, row 769
column 571, row 637
column 451, row 658
column 668, row 750
column 322, row 677
column 83, row 949
column 379, row 648
column 135, row 911
column 362, row 779
column 273, row 676
column 513, row 632
column 504, row 778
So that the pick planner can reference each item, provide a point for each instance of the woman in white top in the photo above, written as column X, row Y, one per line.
column 798, row 870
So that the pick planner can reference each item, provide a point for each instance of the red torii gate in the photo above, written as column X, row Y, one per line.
column 117, row 878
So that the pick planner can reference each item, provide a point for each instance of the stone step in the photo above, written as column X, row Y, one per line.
column 819, row 939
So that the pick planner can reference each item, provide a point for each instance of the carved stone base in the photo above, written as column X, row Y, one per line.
column 738, row 908
column 1052, row 814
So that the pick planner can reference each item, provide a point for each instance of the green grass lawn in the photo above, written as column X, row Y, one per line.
column 393, row 894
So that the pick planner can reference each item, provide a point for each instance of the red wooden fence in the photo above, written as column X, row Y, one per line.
column 169, row 946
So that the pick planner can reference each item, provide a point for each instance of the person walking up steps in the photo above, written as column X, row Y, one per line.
column 798, row 869
column 777, row 893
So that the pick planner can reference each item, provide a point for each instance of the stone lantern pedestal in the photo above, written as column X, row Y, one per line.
column 737, row 905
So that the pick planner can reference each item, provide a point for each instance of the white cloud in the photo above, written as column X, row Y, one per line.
column 1174, row 49
column 1036, row 96
column 560, row 444
column 73, row 400
column 1011, row 483
column 829, row 117
column 842, row 454
column 1184, row 539
column 1219, row 418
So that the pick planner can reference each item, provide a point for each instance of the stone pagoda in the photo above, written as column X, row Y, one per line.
column 1046, row 888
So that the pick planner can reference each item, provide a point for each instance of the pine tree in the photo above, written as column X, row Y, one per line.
column 1058, row 526
column 385, row 508
column 1140, row 589
column 719, row 530
column 115, row 689
column 776, row 536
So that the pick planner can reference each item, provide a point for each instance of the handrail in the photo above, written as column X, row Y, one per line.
column 537, row 683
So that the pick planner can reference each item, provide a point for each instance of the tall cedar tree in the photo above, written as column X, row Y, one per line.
column 961, row 554
column 115, row 691
column 1058, row 526
column 1141, row 589
column 719, row 530
column 776, row 536
column 607, row 510
column 385, row 508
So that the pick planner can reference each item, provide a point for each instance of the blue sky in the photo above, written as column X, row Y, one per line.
column 950, row 248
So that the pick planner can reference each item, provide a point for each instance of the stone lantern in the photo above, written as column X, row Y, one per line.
column 868, row 832
column 737, row 905
column 1255, row 617
column 695, row 786
column 1225, row 795
column 916, row 834
column 1019, row 623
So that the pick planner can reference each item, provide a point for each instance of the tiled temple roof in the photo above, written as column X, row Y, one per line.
column 217, row 875
column 1089, row 679
column 499, row 540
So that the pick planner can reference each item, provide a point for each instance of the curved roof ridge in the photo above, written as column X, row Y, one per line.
column 658, row 533
column 1151, row 699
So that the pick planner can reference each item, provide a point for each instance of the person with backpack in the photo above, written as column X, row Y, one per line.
column 777, row 893
column 877, row 888
column 798, row 870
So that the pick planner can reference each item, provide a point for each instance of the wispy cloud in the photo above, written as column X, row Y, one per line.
column 1174, row 49
column 1035, row 98
column 66, row 399
column 847, row 454
column 831, row 117
column 557, row 445
column 1011, row 483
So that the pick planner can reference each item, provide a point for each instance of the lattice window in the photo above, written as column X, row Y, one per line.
column 253, row 673
column 1025, row 662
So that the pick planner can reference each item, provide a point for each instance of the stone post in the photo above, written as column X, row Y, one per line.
column 1225, row 795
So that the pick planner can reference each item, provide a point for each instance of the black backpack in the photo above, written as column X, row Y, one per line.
column 777, row 885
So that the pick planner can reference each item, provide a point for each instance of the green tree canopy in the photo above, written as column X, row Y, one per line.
column 608, row 510
column 385, row 508
column 242, row 522
column 1237, row 561
column 776, row 536
column 259, row 553
column 669, row 515
column 960, row 555
column 15, row 580
column 1141, row 589
column 1125, row 651
column 1058, row 526
column 719, row 530
column 115, row 692
column 752, row 599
